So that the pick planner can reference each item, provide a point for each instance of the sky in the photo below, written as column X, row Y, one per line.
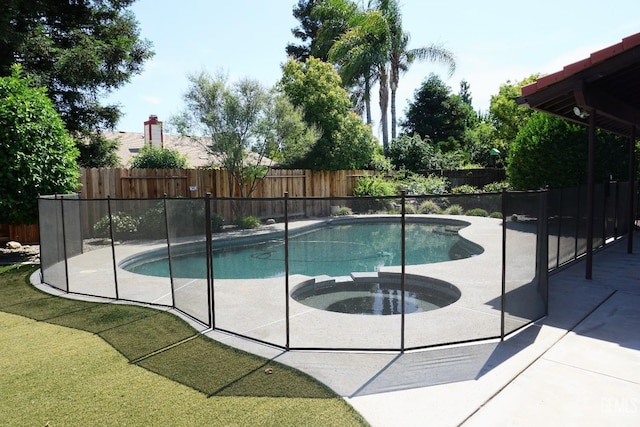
column 494, row 41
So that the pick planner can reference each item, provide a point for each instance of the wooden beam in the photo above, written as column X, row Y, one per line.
column 608, row 105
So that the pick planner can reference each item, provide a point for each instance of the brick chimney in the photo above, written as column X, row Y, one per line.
column 153, row 132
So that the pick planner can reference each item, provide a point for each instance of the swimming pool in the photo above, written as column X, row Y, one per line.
column 333, row 248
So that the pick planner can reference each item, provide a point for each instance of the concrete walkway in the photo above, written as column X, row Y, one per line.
column 580, row 366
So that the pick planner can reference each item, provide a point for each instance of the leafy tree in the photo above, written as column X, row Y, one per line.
column 96, row 151
column 416, row 154
column 549, row 151
column 79, row 51
column 230, row 114
column 38, row 156
column 465, row 92
column 412, row 153
column 437, row 114
column 286, row 134
column 346, row 143
column 307, row 30
column 507, row 116
column 479, row 140
column 470, row 116
column 158, row 158
column 369, row 45
column 334, row 18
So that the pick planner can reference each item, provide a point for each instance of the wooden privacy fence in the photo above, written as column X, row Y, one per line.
column 191, row 183
column 28, row 233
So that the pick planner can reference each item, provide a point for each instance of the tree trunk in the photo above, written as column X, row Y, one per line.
column 384, row 104
column 393, row 111
column 393, row 84
column 367, row 100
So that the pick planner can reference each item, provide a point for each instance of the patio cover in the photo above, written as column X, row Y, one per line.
column 601, row 91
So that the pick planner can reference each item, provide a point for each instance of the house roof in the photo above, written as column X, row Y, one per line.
column 608, row 81
column 196, row 153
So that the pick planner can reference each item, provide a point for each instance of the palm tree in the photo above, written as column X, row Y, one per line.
column 369, row 46
column 400, row 58
column 360, row 54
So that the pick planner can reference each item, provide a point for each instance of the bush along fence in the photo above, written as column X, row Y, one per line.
column 350, row 273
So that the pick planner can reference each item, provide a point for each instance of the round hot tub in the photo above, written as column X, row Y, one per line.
column 376, row 295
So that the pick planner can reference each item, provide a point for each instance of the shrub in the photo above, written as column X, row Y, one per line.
column 38, row 156
column 152, row 222
column 410, row 208
column 344, row 211
column 158, row 158
column 428, row 207
column 124, row 226
column 454, row 210
column 495, row 215
column 375, row 186
column 477, row 212
column 465, row 189
column 380, row 163
column 443, row 202
column 247, row 222
column 495, row 187
column 217, row 221
column 419, row 184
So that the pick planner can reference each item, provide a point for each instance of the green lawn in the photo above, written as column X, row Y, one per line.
column 72, row 362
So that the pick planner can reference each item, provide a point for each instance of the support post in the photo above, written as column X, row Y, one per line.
column 64, row 243
column 503, row 296
column 403, row 221
column 170, row 258
column 631, row 189
column 590, row 194
column 286, row 267
column 113, row 247
column 209, row 251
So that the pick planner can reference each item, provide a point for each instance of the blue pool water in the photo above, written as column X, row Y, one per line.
column 327, row 250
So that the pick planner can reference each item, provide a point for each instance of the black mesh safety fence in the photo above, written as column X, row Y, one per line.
column 344, row 274
column 249, row 294
column 622, row 203
column 567, row 219
column 187, row 256
column 97, row 248
column 525, row 255
column 554, row 227
column 350, row 273
column 52, row 252
column 463, row 233
column 612, row 195
column 89, row 246
column 581, row 216
column 599, row 201
column 138, row 227
column 567, row 224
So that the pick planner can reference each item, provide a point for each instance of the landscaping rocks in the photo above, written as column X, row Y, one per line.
column 16, row 253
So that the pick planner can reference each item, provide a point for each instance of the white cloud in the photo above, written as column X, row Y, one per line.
column 152, row 100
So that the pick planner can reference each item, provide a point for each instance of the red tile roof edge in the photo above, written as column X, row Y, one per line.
column 573, row 68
